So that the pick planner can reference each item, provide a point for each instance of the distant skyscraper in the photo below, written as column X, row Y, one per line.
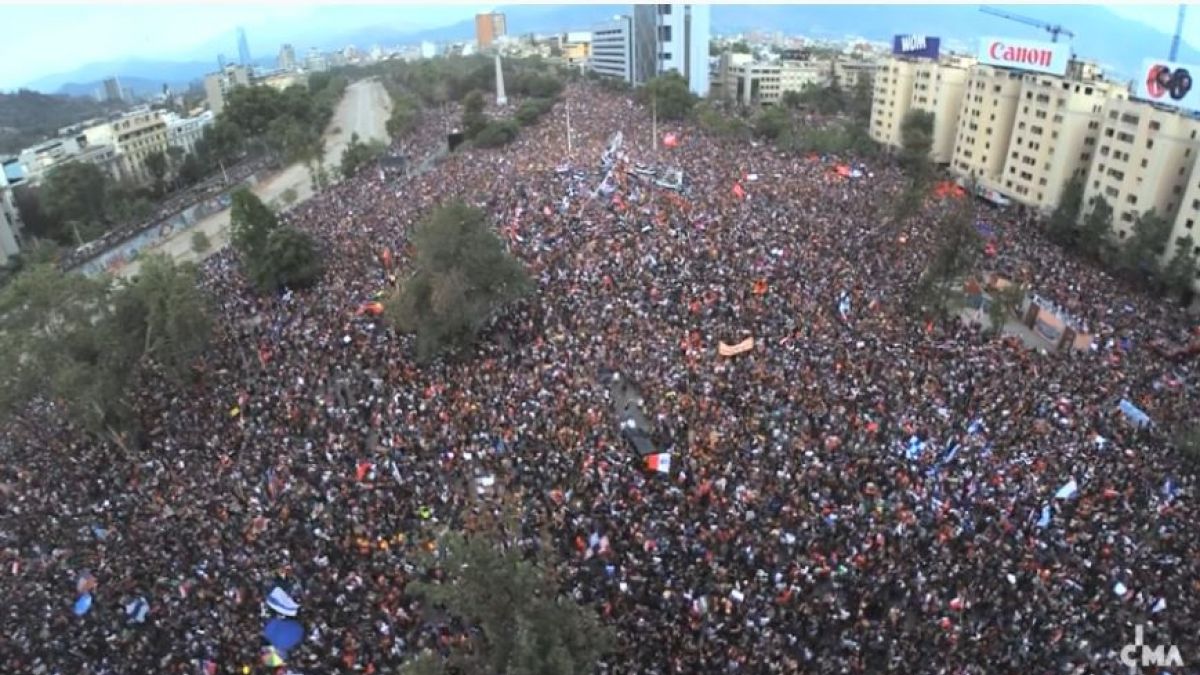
column 112, row 89
column 287, row 58
column 243, row 48
column 221, row 62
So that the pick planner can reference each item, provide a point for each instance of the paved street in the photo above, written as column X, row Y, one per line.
column 363, row 110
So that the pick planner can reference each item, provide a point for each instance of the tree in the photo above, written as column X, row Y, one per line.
column 772, row 123
column 156, row 166
column 38, row 221
column 223, row 141
column 719, row 124
column 1179, row 275
column 289, row 196
column 163, row 312
column 76, row 191
column 861, row 97
column 497, row 133
column 1064, row 219
column 916, row 140
column 740, row 47
column 473, row 119
column 358, row 154
column 1004, row 304
column 462, row 276
column 406, row 111
column 290, row 260
column 526, row 626
column 670, row 95
column 1140, row 254
column 532, row 110
column 79, row 341
column 54, row 345
column 250, row 224
column 200, row 242
column 1097, row 228
column 252, row 109
column 958, row 246
column 791, row 99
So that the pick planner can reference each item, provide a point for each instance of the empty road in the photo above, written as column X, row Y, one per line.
column 363, row 110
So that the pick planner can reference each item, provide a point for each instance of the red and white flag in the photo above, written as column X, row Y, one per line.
column 660, row 462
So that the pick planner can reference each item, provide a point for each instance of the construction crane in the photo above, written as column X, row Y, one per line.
column 1178, row 30
column 1053, row 29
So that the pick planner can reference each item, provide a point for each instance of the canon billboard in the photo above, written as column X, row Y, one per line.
column 918, row 46
column 1170, row 83
column 1039, row 57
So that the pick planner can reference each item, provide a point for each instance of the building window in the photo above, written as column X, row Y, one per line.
column 1154, row 125
column 1126, row 217
column 1150, row 144
column 664, row 33
column 1145, row 162
column 1132, row 199
column 1189, row 223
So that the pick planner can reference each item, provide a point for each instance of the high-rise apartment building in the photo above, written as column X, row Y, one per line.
column 891, row 100
column 612, row 48
column 287, row 58
column 134, row 136
column 1055, row 132
column 902, row 84
column 670, row 37
column 488, row 27
column 1186, row 221
column 218, row 85
column 112, row 89
column 985, row 123
column 243, row 48
column 1144, row 161
column 938, row 88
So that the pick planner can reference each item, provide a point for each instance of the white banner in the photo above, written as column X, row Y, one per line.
column 1040, row 57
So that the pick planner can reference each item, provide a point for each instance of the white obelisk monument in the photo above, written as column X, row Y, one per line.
column 501, row 99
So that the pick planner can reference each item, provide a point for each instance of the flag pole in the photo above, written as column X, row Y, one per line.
column 654, row 114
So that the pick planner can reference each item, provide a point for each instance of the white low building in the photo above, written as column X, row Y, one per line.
column 10, row 222
column 184, row 132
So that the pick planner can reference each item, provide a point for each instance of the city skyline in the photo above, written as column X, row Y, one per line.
column 195, row 32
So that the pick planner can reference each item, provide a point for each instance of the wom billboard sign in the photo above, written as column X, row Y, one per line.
column 918, row 46
column 1040, row 57
column 1169, row 83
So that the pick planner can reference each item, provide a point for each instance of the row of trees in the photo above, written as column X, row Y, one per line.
column 1137, row 257
column 82, row 342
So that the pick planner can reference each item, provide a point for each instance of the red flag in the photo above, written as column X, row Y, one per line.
column 738, row 191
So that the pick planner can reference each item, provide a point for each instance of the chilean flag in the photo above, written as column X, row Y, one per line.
column 660, row 462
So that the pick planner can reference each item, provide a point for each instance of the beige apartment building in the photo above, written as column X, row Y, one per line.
column 1055, row 133
column 1144, row 161
column 906, row 84
column 757, row 82
column 892, row 99
column 134, row 136
column 938, row 89
column 1185, row 222
column 985, row 123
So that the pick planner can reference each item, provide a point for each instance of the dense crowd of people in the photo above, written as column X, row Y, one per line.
column 864, row 491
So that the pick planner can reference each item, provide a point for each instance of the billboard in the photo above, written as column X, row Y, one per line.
column 1170, row 83
column 918, row 46
column 1039, row 57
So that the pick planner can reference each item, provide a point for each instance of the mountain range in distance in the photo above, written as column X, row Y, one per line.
column 1100, row 35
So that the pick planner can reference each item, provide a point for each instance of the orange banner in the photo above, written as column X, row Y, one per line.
column 733, row 350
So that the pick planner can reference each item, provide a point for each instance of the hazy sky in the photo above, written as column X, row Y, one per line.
column 44, row 39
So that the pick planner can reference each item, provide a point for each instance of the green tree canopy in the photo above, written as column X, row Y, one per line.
column 462, row 276
column 1179, row 275
column 1064, row 219
column 79, row 341
column 76, row 191
column 1149, row 241
column 916, row 141
column 358, row 154
column 670, row 94
column 156, row 165
column 717, row 123
column 772, row 123
column 1096, row 232
column 163, row 312
column 290, row 259
column 528, row 627
column 497, row 133
column 252, row 109
column 250, row 223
